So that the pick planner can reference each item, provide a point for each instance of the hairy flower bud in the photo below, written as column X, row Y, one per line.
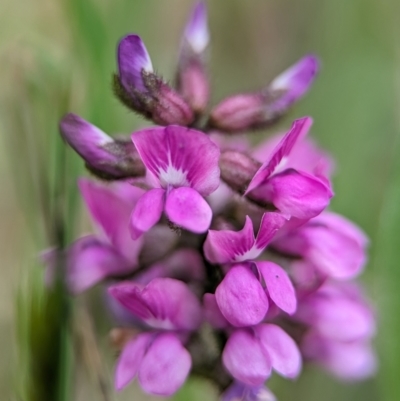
column 104, row 156
column 261, row 109
column 192, row 81
column 141, row 90
column 237, row 169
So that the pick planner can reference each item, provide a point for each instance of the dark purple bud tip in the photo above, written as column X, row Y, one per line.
column 293, row 83
column 133, row 60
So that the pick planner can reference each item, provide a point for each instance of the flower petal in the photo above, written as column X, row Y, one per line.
column 110, row 208
column 165, row 366
column 279, row 286
column 180, row 156
column 296, row 193
column 164, row 303
column 129, row 361
column 240, row 392
column 281, row 348
column 245, row 358
column 133, row 60
column 188, row 209
column 90, row 261
column 269, row 226
column 225, row 246
column 241, row 298
column 212, row 313
column 147, row 212
column 196, row 30
column 278, row 157
column 293, row 83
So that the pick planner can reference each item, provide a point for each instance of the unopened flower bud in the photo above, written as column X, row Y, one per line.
column 141, row 90
column 104, row 156
column 261, row 109
column 237, row 169
column 192, row 79
column 238, row 113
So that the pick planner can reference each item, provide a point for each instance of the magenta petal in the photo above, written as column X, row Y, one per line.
column 196, row 31
column 281, row 348
column 241, row 298
column 225, row 246
column 165, row 366
column 212, row 313
column 133, row 59
column 129, row 362
column 179, row 156
column 110, row 207
column 294, row 82
column 298, row 130
column 90, row 261
column 298, row 194
column 188, row 209
column 279, row 286
column 245, row 358
column 164, row 303
column 269, row 226
column 147, row 212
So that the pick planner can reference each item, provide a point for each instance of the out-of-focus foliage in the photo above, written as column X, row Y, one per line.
column 60, row 56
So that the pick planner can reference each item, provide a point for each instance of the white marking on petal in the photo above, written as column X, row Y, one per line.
column 280, row 166
column 174, row 177
column 251, row 254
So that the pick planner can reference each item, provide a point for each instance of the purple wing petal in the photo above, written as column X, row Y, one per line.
column 279, row 286
column 129, row 362
column 186, row 208
column 180, row 156
column 90, row 261
column 240, row 392
column 241, row 298
column 294, row 82
column 278, row 157
column 133, row 59
column 227, row 246
column 110, row 209
column 297, row 194
column 270, row 224
column 165, row 366
column 245, row 359
column 196, row 32
column 147, row 212
column 281, row 348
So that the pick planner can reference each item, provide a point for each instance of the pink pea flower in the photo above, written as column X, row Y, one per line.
column 341, row 326
column 240, row 296
column 329, row 243
column 251, row 353
column 297, row 193
column 111, row 252
column 157, row 357
column 183, row 166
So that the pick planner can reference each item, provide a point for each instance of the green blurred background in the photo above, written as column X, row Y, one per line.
column 58, row 56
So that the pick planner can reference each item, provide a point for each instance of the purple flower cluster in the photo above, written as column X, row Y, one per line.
column 221, row 256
